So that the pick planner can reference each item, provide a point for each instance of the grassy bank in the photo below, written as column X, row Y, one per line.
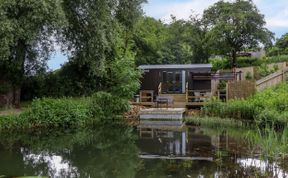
column 269, row 106
column 66, row 113
column 224, row 63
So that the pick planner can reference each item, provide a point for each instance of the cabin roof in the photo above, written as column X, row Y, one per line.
column 176, row 66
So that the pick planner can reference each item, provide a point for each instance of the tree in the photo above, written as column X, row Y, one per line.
column 26, row 30
column 280, row 47
column 282, row 42
column 198, row 40
column 150, row 36
column 179, row 42
column 97, row 35
column 235, row 26
column 177, row 50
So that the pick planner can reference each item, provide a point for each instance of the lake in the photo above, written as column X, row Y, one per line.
column 152, row 150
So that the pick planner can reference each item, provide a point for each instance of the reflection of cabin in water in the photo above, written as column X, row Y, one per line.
column 182, row 143
column 181, row 85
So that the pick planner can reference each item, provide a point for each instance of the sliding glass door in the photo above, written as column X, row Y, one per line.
column 172, row 82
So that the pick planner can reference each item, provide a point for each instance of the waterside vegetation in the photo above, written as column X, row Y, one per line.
column 269, row 106
column 264, row 117
column 49, row 113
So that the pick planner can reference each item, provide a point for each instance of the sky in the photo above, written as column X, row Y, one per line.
column 275, row 12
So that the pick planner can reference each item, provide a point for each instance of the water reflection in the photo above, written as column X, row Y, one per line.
column 182, row 151
column 263, row 166
column 153, row 150
column 182, row 142
column 105, row 152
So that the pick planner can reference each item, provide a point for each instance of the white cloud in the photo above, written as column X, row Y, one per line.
column 275, row 11
column 279, row 19
column 182, row 10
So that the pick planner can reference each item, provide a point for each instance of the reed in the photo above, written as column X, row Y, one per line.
column 269, row 106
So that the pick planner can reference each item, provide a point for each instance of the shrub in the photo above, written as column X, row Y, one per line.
column 213, row 108
column 249, row 76
column 10, row 122
column 106, row 106
column 50, row 113
column 224, row 63
column 64, row 112
column 237, row 109
column 67, row 112
column 270, row 105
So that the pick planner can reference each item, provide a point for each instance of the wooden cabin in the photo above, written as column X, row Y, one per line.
column 185, row 85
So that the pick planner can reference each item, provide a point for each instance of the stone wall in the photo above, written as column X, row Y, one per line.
column 240, row 89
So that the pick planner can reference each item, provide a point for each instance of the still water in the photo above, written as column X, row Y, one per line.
column 152, row 150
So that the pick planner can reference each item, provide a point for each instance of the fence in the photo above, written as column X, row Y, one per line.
column 272, row 80
column 240, row 89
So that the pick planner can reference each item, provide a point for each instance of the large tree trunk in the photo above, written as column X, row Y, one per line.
column 18, row 73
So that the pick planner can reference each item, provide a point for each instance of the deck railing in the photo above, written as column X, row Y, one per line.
column 195, row 96
column 187, row 92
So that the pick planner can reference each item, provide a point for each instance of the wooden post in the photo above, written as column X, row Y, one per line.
column 187, row 92
column 227, row 91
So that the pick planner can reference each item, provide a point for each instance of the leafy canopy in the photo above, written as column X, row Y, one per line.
column 26, row 28
column 178, row 42
column 236, row 26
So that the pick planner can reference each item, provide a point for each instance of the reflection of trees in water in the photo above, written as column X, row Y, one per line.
column 229, row 147
column 228, row 168
column 176, row 169
column 106, row 151
column 110, row 152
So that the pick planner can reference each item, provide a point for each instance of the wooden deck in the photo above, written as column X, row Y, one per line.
column 191, row 98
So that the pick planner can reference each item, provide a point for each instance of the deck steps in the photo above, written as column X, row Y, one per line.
column 177, row 97
column 179, row 105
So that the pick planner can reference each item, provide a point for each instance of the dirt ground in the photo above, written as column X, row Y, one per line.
column 9, row 112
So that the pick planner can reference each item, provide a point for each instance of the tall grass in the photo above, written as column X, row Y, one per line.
column 269, row 106
column 269, row 142
column 66, row 112
column 49, row 113
column 273, row 143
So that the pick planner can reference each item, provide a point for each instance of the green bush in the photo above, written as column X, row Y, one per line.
column 106, row 106
column 64, row 112
column 237, row 109
column 224, row 63
column 67, row 112
column 213, row 108
column 270, row 105
column 11, row 122
column 50, row 113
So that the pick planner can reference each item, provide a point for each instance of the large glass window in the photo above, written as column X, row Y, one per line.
column 172, row 82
